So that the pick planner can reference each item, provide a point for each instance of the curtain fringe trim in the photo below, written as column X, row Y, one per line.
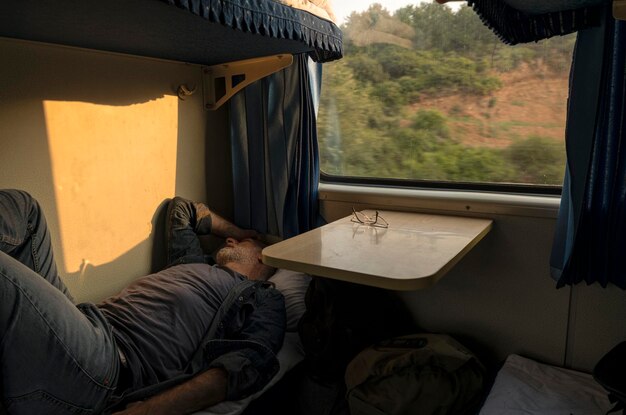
column 513, row 26
column 272, row 19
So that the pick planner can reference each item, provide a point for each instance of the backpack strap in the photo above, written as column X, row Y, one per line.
column 609, row 373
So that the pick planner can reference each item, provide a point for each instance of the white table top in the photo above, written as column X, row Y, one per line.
column 412, row 253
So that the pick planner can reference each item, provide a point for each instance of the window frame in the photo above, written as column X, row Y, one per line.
column 338, row 199
column 511, row 188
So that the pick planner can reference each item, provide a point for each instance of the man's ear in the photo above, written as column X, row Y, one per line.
column 259, row 258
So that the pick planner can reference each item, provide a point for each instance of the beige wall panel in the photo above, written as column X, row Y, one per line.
column 102, row 141
column 85, row 141
column 499, row 299
column 597, row 324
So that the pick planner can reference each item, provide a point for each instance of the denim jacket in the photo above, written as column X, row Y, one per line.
column 247, row 330
column 243, row 339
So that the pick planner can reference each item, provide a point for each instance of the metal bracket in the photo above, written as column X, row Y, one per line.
column 220, row 82
column 619, row 9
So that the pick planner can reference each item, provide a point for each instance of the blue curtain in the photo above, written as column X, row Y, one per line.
column 590, row 241
column 522, row 21
column 274, row 149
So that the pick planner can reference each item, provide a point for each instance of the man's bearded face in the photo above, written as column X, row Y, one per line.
column 238, row 253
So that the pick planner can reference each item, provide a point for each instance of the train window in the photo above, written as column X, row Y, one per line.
column 426, row 93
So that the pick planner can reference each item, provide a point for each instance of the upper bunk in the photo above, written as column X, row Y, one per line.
column 205, row 32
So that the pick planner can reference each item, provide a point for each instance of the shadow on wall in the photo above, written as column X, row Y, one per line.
column 101, row 140
column 111, row 277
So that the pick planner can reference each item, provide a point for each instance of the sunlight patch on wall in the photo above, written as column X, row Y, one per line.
column 112, row 166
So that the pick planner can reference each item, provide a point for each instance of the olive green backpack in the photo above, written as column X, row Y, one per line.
column 415, row 375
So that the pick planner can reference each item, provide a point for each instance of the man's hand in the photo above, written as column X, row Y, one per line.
column 219, row 226
column 241, row 234
column 225, row 229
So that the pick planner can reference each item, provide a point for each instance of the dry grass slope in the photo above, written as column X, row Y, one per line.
column 532, row 101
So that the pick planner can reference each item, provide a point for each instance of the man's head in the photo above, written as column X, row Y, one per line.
column 245, row 257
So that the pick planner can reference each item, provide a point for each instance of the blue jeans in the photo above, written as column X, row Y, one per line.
column 55, row 357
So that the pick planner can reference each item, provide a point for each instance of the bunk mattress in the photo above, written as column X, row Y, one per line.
column 320, row 8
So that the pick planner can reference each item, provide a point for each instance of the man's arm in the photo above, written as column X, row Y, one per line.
column 185, row 221
column 225, row 229
column 202, row 391
column 241, row 366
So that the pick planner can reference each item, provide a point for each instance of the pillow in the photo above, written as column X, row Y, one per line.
column 524, row 386
column 293, row 286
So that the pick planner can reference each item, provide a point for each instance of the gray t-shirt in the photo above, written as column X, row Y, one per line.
column 159, row 320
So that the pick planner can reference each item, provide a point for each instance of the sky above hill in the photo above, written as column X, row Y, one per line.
column 343, row 8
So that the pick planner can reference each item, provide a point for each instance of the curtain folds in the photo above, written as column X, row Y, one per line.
column 274, row 150
column 525, row 21
column 590, row 240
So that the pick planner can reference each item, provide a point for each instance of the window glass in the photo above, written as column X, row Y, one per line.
column 427, row 92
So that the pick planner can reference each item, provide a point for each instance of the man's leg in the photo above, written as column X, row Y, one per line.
column 185, row 220
column 24, row 235
column 55, row 358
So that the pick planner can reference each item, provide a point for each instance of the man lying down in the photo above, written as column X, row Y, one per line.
column 173, row 342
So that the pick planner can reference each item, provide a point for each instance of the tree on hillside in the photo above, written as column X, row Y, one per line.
column 538, row 160
column 367, row 121
column 352, row 125
column 375, row 26
column 442, row 29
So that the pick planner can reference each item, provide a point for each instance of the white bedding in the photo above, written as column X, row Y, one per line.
column 320, row 8
column 526, row 387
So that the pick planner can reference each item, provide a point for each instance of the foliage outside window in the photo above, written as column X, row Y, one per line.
column 427, row 93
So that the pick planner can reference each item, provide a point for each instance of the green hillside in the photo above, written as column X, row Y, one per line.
column 426, row 93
